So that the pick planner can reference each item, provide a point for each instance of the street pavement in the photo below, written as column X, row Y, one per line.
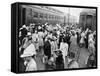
column 82, row 59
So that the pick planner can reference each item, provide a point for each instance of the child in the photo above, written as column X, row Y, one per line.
column 91, row 61
column 71, row 62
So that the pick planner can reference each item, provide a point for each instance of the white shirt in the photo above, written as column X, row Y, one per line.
column 82, row 34
column 41, row 34
column 34, row 37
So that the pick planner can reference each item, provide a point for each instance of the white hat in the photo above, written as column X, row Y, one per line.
column 24, row 26
column 28, row 33
column 46, row 23
column 29, row 51
column 39, row 27
column 54, row 38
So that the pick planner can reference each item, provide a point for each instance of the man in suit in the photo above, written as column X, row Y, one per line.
column 47, row 48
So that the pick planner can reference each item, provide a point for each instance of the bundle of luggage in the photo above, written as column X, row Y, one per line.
column 55, row 61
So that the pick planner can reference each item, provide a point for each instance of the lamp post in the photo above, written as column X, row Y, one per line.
column 68, row 15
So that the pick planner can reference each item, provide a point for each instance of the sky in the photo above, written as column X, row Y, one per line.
column 73, row 11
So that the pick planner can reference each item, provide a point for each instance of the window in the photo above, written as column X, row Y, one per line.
column 50, row 16
column 83, row 17
column 41, row 15
column 55, row 17
column 36, row 14
column 45, row 16
column 30, row 12
column 59, row 18
column 89, row 20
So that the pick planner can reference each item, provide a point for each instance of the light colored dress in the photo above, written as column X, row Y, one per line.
column 73, row 44
column 91, row 46
column 31, row 66
column 82, row 38
column 40, row 35
column 73, row 40
column 64, row 49
column 53, row 46
column 35, row 40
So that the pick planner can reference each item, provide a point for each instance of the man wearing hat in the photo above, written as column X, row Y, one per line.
column 23, row 33
column 29, row 55
column 47, row 48
column 59, row 60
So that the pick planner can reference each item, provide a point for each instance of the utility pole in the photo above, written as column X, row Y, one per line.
column 68, row 15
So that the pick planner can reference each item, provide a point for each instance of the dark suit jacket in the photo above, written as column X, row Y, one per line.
column 47, row 48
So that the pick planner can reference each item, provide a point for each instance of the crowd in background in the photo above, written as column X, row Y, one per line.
column 59, row 46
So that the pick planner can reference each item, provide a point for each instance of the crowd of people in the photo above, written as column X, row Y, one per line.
column 59, row 46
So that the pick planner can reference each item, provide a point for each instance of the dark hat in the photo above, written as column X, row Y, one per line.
column 59, row 52
column 71, row 55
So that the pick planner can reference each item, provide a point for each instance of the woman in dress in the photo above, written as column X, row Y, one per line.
column 35, row 40
column 29, row 58
column 64, row 49
column 73, row 45
column 82, row 40
column 41, row 43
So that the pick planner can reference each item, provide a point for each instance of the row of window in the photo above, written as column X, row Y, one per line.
column 34, row 14
column 83, row 17
column 46, row 16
